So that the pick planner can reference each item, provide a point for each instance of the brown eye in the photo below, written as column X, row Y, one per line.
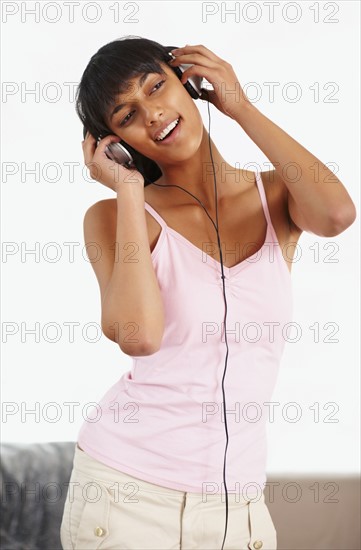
column 159, row 83
column 125, row 120
column 156, row 87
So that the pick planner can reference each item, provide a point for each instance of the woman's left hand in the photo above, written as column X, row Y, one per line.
column 227, row 94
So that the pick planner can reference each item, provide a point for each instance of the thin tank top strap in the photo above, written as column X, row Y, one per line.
column 261, row 191
column 155, row 215
column 263, row 198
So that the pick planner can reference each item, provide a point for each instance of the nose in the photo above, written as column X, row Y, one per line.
column 152, row 113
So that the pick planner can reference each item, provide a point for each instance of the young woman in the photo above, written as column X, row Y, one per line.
column 202, row 324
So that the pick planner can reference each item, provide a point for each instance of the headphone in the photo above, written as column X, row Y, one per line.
column 124, row 154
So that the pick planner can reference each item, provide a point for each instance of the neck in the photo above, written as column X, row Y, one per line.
column 196, row 174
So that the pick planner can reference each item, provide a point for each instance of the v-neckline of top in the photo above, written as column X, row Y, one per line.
column 229, row 270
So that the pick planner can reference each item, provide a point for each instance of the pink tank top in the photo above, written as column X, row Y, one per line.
column 163, row 420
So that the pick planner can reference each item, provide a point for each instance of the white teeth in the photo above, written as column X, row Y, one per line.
column 167, row 130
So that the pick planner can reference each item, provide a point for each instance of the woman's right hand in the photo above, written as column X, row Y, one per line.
column 105, row 170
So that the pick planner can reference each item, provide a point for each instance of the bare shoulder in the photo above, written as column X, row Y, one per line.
column 99, row 236
column 100, row 222
column 103, row 206
column 277, row 199
column 100, row 219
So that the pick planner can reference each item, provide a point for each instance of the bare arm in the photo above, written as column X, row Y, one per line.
column 318, row 202
column 132, row 307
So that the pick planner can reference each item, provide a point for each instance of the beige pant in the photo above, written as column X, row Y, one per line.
column 111, row 510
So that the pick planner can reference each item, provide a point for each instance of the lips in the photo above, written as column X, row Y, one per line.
column 173, row 135
column 164, row 126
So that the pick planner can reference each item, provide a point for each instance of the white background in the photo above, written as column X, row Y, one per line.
column 52, row 287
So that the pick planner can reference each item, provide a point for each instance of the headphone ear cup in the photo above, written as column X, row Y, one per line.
column 120, row 154
column 194, row 83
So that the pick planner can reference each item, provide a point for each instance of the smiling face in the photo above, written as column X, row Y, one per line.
column 149, row 102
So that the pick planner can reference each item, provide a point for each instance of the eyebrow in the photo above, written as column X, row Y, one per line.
column 143, row 77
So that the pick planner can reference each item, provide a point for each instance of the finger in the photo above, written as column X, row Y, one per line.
column 88, row 136
column 204, row 72
column 89, row 146
column 103, row 143
column 192, row 58
column 197, row 49
column 92, row 148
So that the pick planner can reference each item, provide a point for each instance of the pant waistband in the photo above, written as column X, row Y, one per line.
column 96, row 470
